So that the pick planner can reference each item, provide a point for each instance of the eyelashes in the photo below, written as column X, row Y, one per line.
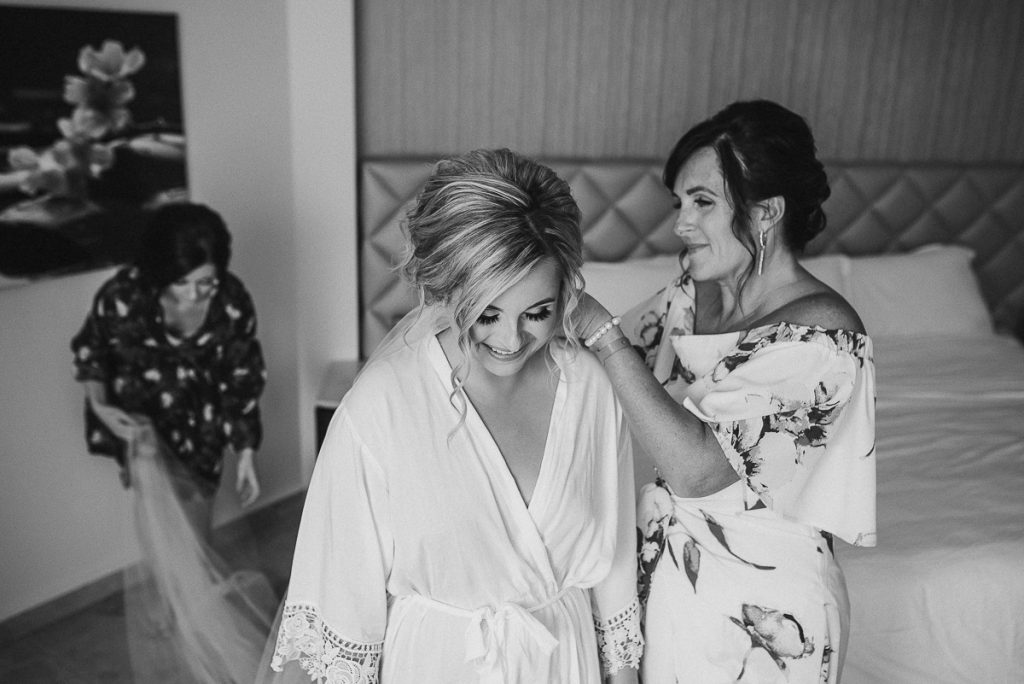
column 701, row 202
column 536, row 317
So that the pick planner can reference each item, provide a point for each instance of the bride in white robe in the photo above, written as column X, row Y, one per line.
column 453, row 533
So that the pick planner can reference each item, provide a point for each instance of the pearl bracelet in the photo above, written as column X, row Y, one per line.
column 608, row 325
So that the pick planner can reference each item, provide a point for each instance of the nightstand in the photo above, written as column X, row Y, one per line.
column 337, row 381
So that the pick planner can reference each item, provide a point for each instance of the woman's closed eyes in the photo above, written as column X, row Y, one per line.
column 535, row 316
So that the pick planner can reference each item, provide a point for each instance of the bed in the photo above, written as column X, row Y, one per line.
column 932, row 257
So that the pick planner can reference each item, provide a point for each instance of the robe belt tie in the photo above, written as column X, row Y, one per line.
column 495, row 631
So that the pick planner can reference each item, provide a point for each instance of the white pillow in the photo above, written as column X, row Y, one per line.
column 620, row 285
column 931, row 291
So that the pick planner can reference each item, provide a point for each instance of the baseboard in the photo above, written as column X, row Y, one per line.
column 97, row 590
column 60, row 607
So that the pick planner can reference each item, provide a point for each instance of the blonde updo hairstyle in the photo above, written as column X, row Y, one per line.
column 481, row 222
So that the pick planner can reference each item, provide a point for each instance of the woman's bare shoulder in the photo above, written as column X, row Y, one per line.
column 825, row 309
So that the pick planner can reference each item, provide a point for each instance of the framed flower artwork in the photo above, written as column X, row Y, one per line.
column 92, row 136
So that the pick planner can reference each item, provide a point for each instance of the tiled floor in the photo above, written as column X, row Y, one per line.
column 91, row 645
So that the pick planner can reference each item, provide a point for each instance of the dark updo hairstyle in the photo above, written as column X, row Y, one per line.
column 764, row 150
column 179, row 238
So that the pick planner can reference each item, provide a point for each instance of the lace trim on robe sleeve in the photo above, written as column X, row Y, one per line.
column 324, row 655
column 619, row 641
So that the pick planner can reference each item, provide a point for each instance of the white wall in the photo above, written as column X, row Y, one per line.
column 269, row 116
column 322, row 58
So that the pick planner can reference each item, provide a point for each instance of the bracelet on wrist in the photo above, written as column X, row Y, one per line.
column 600, row 332
column 615, row 333
column 616, row 345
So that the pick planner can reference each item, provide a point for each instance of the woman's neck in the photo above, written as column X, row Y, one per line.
column 737, row 302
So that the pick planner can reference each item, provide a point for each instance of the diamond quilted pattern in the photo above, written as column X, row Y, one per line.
column 874, row 208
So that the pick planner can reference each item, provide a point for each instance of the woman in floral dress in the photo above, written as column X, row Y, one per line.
column 752, row 395
column 171, row 340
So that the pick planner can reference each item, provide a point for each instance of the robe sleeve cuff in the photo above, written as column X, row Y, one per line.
column 619, row 641
column 323, row 654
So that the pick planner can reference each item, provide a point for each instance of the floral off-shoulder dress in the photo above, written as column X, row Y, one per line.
column 743, row 585
column 201, row 392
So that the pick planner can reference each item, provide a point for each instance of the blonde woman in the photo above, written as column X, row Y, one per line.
column 470, row 517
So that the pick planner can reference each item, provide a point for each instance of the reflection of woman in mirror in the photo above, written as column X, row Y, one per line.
column 170, row 341
column 173, row 372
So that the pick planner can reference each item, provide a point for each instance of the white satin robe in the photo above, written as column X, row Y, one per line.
column 418, row 560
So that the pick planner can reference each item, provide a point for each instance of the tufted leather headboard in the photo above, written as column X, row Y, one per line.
column 874, row 208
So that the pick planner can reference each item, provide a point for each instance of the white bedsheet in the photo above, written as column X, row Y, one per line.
column 941, row 599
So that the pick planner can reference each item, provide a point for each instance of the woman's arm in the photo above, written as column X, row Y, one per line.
column 119, row 422
column 682, row 447
column 626, row 675
column 243, row 376
column 246, row 483
column 91, row 349
column 242, row 370
column 345, row 532
column 614, row 600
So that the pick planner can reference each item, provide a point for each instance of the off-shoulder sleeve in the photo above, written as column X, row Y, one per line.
column 334, row 616
column 616, row 608
column 794, row 412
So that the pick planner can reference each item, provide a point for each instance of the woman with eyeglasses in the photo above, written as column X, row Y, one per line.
column 170, row 341
column 173, row 373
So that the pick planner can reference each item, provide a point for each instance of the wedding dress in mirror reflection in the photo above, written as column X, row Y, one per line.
column 189, row 617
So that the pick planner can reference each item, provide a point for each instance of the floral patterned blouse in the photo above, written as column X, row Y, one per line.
column 201, row 391
column 791, row 405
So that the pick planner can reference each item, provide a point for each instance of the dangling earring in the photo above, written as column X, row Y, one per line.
column 760, row 253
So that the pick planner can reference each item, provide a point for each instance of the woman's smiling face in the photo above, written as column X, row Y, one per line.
column 705, row 219
column 518, row 323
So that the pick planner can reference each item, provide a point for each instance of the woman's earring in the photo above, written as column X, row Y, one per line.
column 760, row 253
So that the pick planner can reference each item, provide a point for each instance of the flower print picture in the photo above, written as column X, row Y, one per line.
column 91, row 136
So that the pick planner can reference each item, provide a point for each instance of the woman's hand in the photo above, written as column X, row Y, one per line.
column 589, row 315
column 626, row 675
column 119, row 422
column 247, row 484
